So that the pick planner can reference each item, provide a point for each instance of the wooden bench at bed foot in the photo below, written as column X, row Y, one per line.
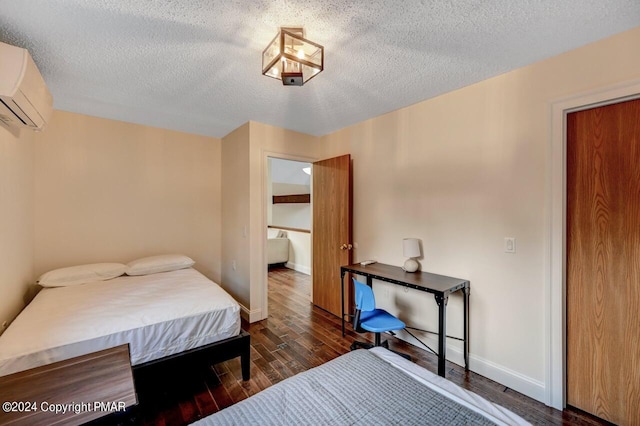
column 70, row 392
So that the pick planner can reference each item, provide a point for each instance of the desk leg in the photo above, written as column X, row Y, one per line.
column 442, row 332
column 466, row 292
column 342, row 299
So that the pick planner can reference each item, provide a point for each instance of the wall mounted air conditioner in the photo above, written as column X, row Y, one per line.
column 25, row 100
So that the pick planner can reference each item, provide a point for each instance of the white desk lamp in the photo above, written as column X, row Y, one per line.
column 411, row 249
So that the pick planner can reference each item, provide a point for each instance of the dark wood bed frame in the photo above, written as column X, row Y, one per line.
column 236, row 346
column 177, row 364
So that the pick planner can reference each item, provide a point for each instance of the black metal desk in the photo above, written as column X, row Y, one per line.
column 439, row 285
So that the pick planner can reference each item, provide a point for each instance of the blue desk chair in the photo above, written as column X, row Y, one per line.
column 368, row 318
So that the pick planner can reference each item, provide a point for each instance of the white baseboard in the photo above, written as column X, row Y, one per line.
column 300, row 268
column 250, row 315
column 512, row 379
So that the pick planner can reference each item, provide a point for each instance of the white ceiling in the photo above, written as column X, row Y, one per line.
column 289, row 171
column 195, row 65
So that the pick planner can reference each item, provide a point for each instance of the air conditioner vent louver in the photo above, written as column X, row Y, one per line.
column 25, row 100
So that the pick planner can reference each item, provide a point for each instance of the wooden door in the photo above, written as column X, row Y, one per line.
column 603, row 262
column 331, row 230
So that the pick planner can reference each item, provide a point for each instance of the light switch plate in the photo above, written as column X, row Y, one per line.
column 509, row 245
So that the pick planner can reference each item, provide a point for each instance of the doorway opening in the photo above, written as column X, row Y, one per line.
column 288, row 245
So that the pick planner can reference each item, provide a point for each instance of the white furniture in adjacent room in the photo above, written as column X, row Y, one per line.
column 277, row 246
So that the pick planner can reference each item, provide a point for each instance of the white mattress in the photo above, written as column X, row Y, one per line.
column 496, row 413
column 158, row 315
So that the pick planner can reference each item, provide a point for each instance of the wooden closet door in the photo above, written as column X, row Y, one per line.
column 603, row 261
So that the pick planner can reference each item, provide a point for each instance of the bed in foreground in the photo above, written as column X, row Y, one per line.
column 160, row 315
column 365, row 387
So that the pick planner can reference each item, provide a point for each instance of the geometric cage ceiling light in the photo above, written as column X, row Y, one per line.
column 292, row 58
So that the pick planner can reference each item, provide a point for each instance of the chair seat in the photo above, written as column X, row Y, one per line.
column 379, row 320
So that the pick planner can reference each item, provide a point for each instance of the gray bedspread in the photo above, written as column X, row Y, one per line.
column 358, row 388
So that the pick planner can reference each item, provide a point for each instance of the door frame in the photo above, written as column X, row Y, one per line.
column 264, row 284
column 555, row 218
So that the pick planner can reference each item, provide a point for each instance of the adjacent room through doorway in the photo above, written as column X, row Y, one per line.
column 289, row 226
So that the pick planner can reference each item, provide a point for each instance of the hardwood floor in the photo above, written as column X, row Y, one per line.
column 296, row 337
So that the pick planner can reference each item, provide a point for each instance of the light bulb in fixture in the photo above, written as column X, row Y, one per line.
column 296, row 58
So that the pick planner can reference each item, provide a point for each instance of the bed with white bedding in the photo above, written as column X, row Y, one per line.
column 365, row 387
column 159, row 315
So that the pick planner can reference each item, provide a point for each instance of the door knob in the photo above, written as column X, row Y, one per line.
column 346, row 247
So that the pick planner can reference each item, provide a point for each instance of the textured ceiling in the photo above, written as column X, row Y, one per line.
column 195, row 65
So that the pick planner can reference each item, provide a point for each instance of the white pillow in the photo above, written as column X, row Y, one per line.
column 82, row 274
column 276, row 233
column 162, row 263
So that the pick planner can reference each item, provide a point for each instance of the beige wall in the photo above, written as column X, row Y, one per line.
column 291, row 215
column 269, row 141
column 461, row 172
column 245, row 196
column 235, row 215
column 112, row 191
column 299, row 251
column 16, row 221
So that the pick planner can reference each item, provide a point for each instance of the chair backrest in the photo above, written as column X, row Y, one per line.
column 365, row 300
